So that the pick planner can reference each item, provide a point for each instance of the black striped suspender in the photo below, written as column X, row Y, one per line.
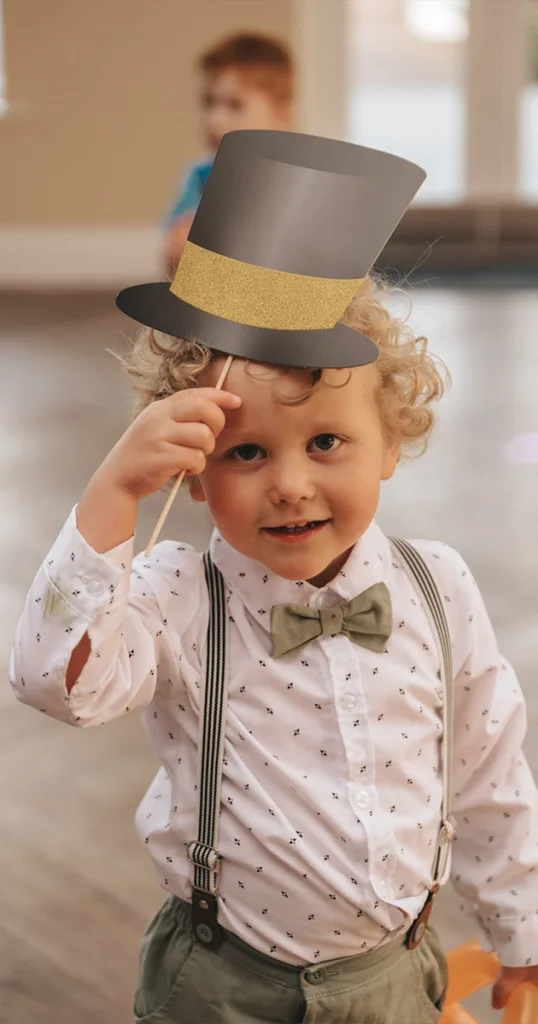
column 213, row 700
column 423, row 581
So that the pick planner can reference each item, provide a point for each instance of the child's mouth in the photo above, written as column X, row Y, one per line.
column 296, row 531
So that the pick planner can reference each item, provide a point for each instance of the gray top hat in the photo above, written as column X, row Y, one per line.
column 287, row 227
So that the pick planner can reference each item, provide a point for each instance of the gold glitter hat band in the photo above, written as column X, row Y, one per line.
column 257, row 296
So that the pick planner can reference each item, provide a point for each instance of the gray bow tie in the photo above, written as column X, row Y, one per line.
column 366, row 620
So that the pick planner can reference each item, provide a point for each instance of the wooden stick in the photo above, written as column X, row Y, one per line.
column 179, row 478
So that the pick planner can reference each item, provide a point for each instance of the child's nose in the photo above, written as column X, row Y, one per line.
column 292, row 482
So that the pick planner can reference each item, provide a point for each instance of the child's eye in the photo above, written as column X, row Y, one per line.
column 246, row 453
column 324, row 443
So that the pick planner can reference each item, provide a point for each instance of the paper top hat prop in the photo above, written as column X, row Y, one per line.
column 287, row 227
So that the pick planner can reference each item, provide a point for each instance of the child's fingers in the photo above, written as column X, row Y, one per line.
column 185, row 459
column 206, row 405
column 505, row 984
column 215, row 394
column 192, row 435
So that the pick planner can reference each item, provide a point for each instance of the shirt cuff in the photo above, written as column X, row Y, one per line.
column 515, row 939
column 84, row 579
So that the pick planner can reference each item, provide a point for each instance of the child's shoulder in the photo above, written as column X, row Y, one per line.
column 457, row 587
column 173, row 569
column 447, row 565
column 445, row 559
column 170, row 557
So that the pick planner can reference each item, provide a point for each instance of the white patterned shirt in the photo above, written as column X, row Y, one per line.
column 332, row 780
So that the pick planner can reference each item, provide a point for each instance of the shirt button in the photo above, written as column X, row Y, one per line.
column 347, row 700
column 94, row 587
column 362, row 799
column 314, row 977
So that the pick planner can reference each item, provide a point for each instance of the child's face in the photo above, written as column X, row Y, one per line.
column 230, row 104
column 276, row 466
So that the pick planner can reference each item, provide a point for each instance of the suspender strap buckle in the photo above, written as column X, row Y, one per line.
column 206, row 862
column 446, row 835
column 448, row 830
column 203, row 856
column 204, row 917
column 444, row 845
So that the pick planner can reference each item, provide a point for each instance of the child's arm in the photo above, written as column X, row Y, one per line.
column 106, row 519
column 81, row 617
column 181, row 215
column 91, row 634
column 189, row 194
column 175, row 240
column 495, row 865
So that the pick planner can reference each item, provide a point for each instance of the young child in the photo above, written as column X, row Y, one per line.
column 246, row 81
column 330, row 787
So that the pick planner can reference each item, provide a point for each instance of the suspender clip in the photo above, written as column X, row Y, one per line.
column 418, row 928
column 204, row 917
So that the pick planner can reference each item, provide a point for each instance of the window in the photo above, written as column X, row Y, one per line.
column 407, row 94
column 441, row 21
column 528, row 153
column 3, row 82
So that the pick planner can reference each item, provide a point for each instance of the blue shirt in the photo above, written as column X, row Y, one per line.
column 190, row 192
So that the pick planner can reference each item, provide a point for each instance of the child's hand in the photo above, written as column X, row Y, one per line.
column 171, row 435
column 508, row 980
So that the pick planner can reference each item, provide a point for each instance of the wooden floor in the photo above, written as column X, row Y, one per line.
column 75, row 888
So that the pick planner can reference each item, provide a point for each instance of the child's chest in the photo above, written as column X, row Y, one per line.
column 334, row 698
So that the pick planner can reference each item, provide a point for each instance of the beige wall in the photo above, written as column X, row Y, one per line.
column 110, row 118
column 385, row 52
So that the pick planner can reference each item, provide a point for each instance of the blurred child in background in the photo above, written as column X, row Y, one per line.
column 246, row 82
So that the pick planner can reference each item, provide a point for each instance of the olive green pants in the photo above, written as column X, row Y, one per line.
column 182, row 982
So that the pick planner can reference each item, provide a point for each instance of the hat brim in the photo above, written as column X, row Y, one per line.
column 155, row 306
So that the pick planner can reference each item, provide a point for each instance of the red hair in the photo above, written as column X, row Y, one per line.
column 263, row 62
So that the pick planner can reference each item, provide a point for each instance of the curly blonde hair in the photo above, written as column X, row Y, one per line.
column 410, row 378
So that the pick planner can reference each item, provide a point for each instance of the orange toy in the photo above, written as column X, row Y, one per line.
column 469, row 970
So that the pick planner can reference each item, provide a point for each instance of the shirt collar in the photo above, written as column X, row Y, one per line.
column 259, row 589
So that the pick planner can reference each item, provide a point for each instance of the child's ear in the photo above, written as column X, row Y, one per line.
column 196, row 490
column 391, row 456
